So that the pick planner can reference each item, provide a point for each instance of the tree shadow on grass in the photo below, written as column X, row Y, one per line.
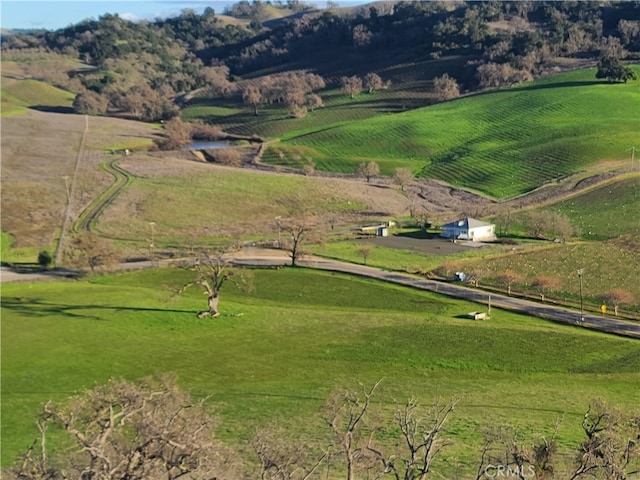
column 30, row 307
column 581, row 83
column 421, row 234
column 52, row 109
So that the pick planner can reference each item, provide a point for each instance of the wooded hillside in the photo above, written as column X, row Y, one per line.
column 145, row 70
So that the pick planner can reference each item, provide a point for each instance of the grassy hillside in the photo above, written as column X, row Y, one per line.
column 605, row 212
column 215, row 201
column 278, row 352
column 411, row 87
column 502, row 143
column 18, row 94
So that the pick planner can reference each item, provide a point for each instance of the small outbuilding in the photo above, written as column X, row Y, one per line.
column 469, row 229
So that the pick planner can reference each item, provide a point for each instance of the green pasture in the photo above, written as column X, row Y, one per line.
column 12, row 254
column 502, row 143
column 278, row 352
column 607, row 265
column 607, row 211
column 411, row 87
column 17, row 94
column 211, row 203
column 398, row 259
column 10, row 105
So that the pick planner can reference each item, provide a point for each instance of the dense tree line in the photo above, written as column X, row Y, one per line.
column 142, row 68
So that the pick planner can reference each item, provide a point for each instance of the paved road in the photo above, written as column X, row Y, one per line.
column 276, row 258
column 548, row 312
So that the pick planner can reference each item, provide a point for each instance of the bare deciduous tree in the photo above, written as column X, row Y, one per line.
column 282, row 458
column 419, row 213
column 296, row 233
column 508, row 278
column 503, row 220
column 344, row 414
column 537, row 222
column 420, row 433
column 361, row 35
column 506, row 453
column 177, row 133
column 559, row 225
column 446, row 87
column 252, row 95
column 313, row 101
column 124, row 430
column 228, row 156
column 372, row 82
column 619, row 296
column 297, row 226
column 544, row 284
column 364, row 251
column 309, row 167
column 499, row 74
column 611, row 449
column 368, row 170
column 352, row 86
column 402, row 177
column 217, row 80
column 213, row 269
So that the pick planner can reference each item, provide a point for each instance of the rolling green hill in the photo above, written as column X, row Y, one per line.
column 502, row 143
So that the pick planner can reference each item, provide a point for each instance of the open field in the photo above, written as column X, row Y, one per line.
column 277, row 353
column 210, row 201
column 502, row 143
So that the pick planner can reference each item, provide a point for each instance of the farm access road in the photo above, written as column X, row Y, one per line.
column 261, row 257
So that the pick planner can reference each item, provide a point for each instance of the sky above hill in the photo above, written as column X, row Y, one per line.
column 55, row 14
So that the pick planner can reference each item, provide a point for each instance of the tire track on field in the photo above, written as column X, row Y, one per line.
column 71, row 193
column 122, row 179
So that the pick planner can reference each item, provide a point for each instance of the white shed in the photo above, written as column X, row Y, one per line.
column 468, row 229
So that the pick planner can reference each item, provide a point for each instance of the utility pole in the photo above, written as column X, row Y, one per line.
column 580, row 273
column 151, row 245
column 278, row 218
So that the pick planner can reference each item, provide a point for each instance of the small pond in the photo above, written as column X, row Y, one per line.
column 209, row 145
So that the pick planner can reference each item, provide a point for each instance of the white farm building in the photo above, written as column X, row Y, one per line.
column 469, row 229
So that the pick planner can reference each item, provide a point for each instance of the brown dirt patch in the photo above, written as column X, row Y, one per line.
column 38, row 150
